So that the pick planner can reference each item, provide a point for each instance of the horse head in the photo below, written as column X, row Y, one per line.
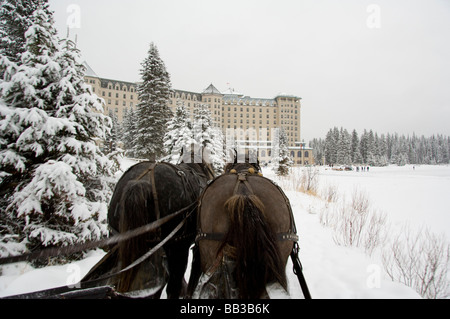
column 247, row 163
column 198, row 157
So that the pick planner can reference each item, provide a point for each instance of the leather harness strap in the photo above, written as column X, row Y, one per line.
column 290, row 235
column 151, row 171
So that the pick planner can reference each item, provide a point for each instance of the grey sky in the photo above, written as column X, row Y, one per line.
column 381, row 65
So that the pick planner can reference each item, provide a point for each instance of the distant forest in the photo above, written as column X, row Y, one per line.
column 343, row 148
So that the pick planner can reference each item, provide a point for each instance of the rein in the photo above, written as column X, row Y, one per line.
column 146, row 255
column 54, row 252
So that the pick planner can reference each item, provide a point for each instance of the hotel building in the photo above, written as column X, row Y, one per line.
column 253, row 119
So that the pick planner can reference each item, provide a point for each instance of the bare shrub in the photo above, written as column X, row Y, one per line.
column 327, row 217
column 310, row 180
column 330, row 193
column 419, row 260
column 349, row 227
column 360, row 201
column 355, row 224
column 376, row 231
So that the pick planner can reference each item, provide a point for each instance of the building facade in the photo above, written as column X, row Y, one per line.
column 253, row 121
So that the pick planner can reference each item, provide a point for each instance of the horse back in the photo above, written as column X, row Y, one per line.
column 213, row 217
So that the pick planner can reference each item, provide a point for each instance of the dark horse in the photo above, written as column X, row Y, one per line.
column 246, row 232
column 145, row 193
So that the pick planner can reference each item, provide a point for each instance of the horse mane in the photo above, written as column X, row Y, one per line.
column 136, row 199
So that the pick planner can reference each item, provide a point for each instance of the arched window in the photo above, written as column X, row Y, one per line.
column 306, row 154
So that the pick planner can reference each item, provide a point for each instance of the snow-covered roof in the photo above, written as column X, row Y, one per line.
column 89, row 71
column 211, row 89
column 287, row 95
column 231, row 91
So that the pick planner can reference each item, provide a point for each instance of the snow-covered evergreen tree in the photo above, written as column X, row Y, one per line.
column 331, row 142
column 318, row 146
column 15, row 19
column 208, row 138
column 217, row 156
column 129, row 128
column 114, row 136
column 376, row 150
column 153, row 111
column 280, row 153
column 356, row 150
column 58, row 180
column 344, row 148
column 179, row 138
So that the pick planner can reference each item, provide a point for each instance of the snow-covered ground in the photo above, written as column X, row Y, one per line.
column 405, row 194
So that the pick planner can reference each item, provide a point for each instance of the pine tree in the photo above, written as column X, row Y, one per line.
column 208, row 138
column 179, row 138
column 356, row 151
column 113, row 137
column 153, row 111
column 344, row 148
column 129, row 128
column 15, row 20
column 58, row 180
column 281, row 159
column 331, row 142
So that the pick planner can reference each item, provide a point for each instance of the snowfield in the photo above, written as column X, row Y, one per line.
column 405, row 194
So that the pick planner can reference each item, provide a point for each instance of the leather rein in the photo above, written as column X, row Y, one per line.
column 117, row 238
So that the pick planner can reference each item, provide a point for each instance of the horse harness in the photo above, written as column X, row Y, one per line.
column 242, row 179
column 291, row 235
column 188, row 185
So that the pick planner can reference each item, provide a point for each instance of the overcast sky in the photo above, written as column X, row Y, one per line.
column 381, row 65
